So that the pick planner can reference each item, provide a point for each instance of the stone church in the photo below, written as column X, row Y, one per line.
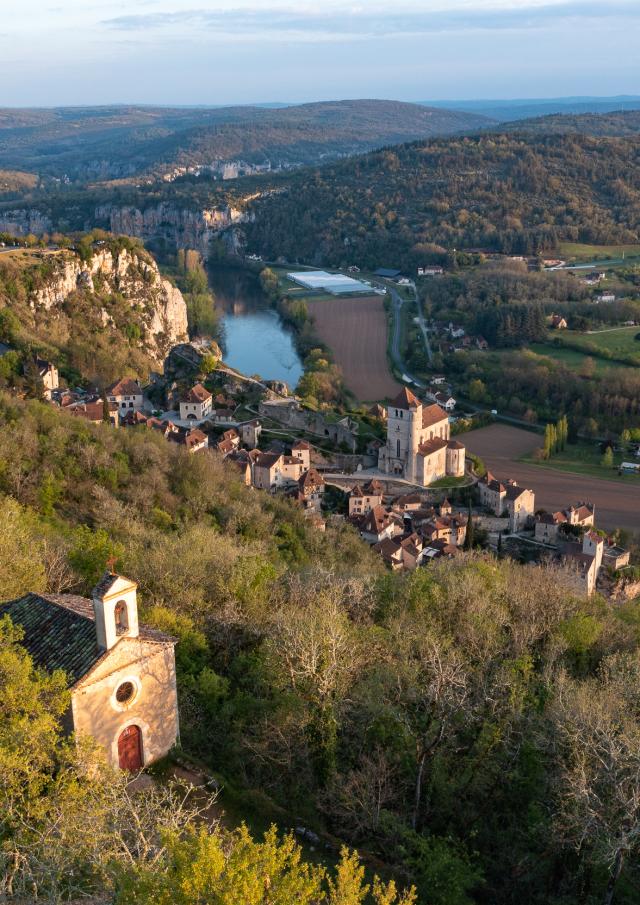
column 121, row 674
column 419, row 447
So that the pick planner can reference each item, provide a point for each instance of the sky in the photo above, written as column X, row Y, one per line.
column 59, row 52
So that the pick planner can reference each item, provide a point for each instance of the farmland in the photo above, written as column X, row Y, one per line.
column 502, row 449
column 575, row 251
column 572, row 358
column 355, row 329
column 616, row 343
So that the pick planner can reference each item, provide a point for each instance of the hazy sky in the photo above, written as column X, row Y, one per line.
column 239, row 51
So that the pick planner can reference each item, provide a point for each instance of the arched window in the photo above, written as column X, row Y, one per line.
column 120, row 617
column 398, row 448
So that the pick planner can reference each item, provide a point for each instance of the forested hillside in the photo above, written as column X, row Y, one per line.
column 117, row 142
column 471, row 727
column 619, row 124
column 401, row 207
column 96, row 306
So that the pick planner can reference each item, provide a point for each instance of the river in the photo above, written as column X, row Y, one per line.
column 255, row 340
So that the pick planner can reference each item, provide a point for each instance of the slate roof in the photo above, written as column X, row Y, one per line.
column 55, row 637
column 60, row 632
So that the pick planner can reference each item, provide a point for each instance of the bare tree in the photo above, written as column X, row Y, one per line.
column 599, row 764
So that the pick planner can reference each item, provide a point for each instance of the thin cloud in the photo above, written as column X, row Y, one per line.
column 359, row 24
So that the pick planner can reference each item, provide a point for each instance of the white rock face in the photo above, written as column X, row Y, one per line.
column 163, row 308
column 181, row 227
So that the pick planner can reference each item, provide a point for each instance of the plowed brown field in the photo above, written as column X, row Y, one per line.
column 501, row 446
column 355, row 329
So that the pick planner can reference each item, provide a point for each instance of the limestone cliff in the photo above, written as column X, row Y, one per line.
column 179, row 226
column 120, row 287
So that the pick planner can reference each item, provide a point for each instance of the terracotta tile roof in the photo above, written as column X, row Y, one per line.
column 197, row 393
column 405, row 400
column 92, row 411
column 431, row 446
column 373, row 488
column 389, row 549
column 125, row 387
column 433, row 414
column 301, row 444
column 226, row 446
column 357, row 492
column 455, row 444
column 311, row 478
column 376, row 520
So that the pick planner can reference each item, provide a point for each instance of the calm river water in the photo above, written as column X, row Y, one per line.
column 255, row 339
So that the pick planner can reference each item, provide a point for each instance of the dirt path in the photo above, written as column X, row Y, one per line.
column 355, row 329
column 500, row 446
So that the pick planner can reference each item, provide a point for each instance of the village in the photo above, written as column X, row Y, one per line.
column 409, row 487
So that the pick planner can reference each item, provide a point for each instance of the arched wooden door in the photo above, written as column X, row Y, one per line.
column 130, row 749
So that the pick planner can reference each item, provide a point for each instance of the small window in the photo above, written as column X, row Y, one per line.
column 125, row 692
column 120, row 617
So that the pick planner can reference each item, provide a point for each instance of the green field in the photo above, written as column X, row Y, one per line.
column 571, row 357
column 578, row 252
column 584, row 458
column 616, row 341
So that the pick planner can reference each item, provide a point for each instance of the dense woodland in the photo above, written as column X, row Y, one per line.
column 119, row 142
column 406, row 206
column 472, row 727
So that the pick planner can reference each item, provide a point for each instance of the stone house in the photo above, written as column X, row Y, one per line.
column 310, row 490
column 302, row 450
column 267, row 471
column 121, row 674
column 126, row 394
column 193, row 440
column 378, row 524
column 197, row 404
column 520, row 504
column 94, row 412
column 250, row 432
column 363, row 499
column 49, row 376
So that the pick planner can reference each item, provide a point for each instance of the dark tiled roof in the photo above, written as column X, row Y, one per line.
column 60, row 631
column 55, row 637
column 105, row 584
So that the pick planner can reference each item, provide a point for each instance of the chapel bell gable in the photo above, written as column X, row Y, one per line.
column 116, row 609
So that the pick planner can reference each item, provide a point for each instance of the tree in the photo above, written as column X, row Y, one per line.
column 599, row 765
column 21, row 568
column 607, row 458
column 469, row 536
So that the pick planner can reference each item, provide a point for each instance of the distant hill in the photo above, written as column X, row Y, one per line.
column 103, row 143
column 525, row 108
column 512, row 193
column 621, row 124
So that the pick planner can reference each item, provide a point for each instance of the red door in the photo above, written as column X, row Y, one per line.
column 130, row 749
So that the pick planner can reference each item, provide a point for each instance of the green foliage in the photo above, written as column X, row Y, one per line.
column 90, row 553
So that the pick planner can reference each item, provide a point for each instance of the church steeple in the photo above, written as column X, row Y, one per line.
column 116, row 609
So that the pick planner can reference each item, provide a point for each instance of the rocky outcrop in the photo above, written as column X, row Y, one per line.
column 178, row 226
column 24, row 223
column 160, row 307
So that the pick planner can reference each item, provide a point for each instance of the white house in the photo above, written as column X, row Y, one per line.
column 126, row 394
column 196, row 405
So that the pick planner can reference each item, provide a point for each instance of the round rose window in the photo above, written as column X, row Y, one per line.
column 125, row 692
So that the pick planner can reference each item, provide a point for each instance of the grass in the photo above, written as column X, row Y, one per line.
column 616, row 341
column 571, row 357
column 584, row 459
column 449, row 482
column 579, row 252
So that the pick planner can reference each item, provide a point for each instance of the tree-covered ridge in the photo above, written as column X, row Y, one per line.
column 453, row 723
column 508, row 193
column 621, row 124
column 108, row 142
